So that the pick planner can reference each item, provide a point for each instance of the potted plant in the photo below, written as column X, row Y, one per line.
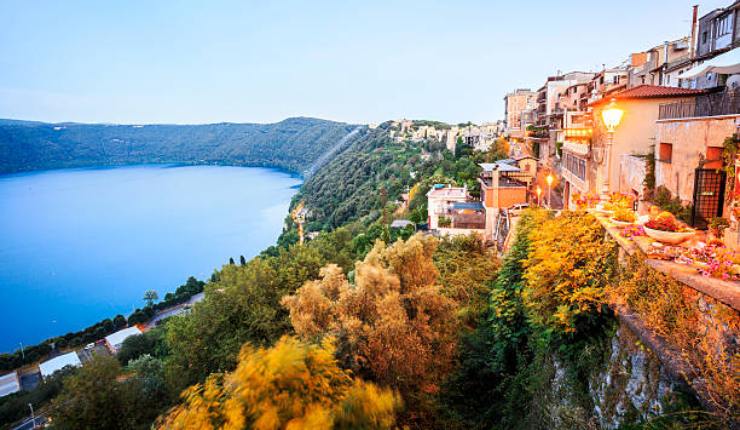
column 444, row 221
column 665, row 228
column 717, row 227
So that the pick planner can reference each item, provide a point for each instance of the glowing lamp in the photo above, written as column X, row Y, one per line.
column 612, row 116
column 549, row 179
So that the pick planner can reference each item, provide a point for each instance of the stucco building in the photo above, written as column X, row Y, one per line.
column 591, row 165
column 689, row 145
column 515, row 103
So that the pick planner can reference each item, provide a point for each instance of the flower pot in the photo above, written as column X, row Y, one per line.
column 622, row 223
column 669, row 237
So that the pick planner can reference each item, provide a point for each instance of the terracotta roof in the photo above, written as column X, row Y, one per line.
column 650, row 92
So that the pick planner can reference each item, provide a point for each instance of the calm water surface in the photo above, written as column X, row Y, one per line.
column 81, row 245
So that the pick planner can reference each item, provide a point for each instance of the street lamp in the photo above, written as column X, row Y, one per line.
column 612, row 116
column 549, row 180
column 539, row 193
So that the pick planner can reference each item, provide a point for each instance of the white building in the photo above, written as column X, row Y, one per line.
column 48, row 367
column 115, row 340
column 440, row 198
column 9, row 384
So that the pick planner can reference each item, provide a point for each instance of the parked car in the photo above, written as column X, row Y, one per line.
column 518, row 208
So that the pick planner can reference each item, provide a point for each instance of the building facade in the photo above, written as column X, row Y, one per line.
column 515, row 103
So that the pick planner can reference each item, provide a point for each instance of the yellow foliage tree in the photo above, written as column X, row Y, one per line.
column 394, row 325
column 568, row 267
column 293, row 385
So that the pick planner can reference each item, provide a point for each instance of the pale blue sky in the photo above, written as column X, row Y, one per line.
column 244, row 61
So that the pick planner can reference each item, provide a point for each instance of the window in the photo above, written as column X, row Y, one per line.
column 576, row 166
column 714, row 158
column 723, row 26
column 666, row 152
column 703, row 37
column 714, row 153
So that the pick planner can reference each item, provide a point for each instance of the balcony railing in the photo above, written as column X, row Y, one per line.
column 724, row 103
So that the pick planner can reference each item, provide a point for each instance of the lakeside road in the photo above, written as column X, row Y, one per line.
column 174, row 310
column 30, row 424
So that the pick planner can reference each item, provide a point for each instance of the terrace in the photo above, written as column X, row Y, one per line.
column 463, row 215
column 715, row 104
column 509, row 176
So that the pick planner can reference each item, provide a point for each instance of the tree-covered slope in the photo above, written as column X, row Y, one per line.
column 349, row 186
column 352, row 184
column 292, row 144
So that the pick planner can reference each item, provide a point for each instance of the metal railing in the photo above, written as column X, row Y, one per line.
column 724, row 103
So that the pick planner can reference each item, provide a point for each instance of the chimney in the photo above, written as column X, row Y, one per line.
column 665, row 52
column 692, row 48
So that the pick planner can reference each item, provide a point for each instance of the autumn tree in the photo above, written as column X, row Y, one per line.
column 293, row 385
column 498, row 150
column 394, row 325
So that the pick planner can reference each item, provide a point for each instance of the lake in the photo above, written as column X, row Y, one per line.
column 81, row 245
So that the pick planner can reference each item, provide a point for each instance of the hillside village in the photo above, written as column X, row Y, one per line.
column 641, row 154
column 679, row 105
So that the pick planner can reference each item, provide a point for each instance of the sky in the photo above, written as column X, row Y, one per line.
column 353, row 61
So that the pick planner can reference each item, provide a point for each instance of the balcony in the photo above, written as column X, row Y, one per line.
column 541, row 132
column 724, row 103
column 578, row 133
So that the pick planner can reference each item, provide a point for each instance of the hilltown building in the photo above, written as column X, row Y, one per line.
column 515, row 103
column 605, row 165
column 661, row 64
column 690, row 138
column 503, row 184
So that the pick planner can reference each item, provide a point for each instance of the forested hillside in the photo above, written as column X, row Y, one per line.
column 293, row 144
column 375, row 168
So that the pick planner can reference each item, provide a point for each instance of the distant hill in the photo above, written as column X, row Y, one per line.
column 293, row 144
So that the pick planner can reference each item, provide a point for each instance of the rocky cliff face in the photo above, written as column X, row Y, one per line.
column 630, row 386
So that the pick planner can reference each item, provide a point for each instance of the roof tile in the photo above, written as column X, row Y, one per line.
column 654, row 91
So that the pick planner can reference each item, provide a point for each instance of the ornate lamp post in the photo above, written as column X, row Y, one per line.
column 549, row 180
column 612, row 116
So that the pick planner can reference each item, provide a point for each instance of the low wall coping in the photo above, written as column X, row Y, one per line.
column 727, row 292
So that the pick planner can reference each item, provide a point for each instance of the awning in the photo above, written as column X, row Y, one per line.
column 576, row 148
column 725, row 64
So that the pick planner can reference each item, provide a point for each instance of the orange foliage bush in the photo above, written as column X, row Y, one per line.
column 394, row 325
column 292, row 385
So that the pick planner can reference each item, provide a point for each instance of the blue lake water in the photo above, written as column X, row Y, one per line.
column 81, row 245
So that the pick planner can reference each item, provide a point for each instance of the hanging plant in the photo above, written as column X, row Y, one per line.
column 729, row 154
